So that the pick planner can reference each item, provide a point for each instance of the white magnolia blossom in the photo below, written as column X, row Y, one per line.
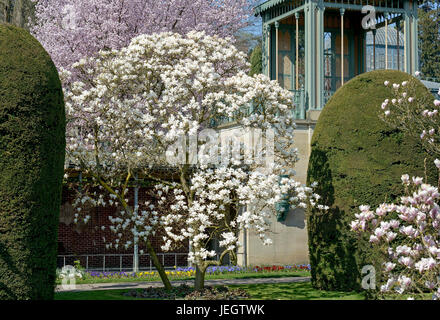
column 227, row 199
column 131, row 106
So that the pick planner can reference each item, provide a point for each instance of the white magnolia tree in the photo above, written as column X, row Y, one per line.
column 153, row 110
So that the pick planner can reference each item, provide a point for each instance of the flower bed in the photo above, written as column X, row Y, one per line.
column 302, row 267
column 184, row 292
column 189, row 272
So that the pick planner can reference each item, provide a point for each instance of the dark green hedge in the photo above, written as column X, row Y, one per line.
column 256, row 60
column 32, row 150
column 356, row 159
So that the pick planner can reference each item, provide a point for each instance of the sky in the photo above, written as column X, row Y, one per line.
column 255, row 23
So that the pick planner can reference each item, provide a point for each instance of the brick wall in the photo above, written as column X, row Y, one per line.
column 87, row 239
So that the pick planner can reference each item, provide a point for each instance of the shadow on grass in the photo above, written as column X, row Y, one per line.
column 94, row 295
column 296, row 291
column 276, row 291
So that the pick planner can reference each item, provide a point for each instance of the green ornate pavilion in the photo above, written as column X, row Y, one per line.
column 313, row 46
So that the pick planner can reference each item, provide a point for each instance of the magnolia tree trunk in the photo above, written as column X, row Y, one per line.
column 159, row 267
column 200, row 278
column 201, row 268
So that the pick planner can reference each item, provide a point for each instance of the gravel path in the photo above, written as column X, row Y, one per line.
column 140, row 285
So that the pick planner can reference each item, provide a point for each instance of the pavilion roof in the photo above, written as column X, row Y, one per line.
column 268, row 4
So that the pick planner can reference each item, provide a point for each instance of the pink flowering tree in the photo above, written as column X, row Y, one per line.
column 416, row 115
column 408, row 235
column 72, row 30
column 407, row 232
column 155, row 109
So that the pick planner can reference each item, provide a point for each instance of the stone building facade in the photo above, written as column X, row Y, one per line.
column 312, row 47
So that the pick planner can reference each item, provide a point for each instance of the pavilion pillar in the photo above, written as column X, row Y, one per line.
column 364, row 53
column 320, row 56
column 414, row 42
column 277, row 62
column 407, row 29
column 297, row 51
column 374, row 49
column 386, row 40
column 398, row 43
column 310, row 51
column 342, row 11
column 264, row 50
column 269, row 57
column 405, row 43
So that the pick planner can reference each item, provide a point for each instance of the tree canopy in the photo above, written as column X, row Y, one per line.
column 429, row 39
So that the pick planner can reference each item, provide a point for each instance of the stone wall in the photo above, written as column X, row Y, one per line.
column 290, row 241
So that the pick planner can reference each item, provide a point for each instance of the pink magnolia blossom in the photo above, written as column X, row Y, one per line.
column 415, row 115
column 411, row 242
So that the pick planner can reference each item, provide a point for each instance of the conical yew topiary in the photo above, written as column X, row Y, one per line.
column 357, row 159
column 32, row 151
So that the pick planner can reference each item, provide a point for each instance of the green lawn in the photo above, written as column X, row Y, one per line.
column 281, row 291
column 94, row 295
column 295, row 291
column 243, row 275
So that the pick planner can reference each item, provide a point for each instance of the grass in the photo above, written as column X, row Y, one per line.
column 94, row 295
column 275, row 291
column 239, row 275
column 295, row 291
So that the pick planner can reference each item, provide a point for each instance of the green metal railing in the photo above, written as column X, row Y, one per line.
column 301, row 108
column 433, row 88
column 327, row 95
column 430, row 79
column 244, row 112
column 299, row 101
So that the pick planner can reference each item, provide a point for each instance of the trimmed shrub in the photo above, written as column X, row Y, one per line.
column 256, row 61
column 32, row 150
column 356, row 159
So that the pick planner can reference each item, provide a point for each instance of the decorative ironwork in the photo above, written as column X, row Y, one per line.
column 299, row 101
column 327, row 95
column 279, row 7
